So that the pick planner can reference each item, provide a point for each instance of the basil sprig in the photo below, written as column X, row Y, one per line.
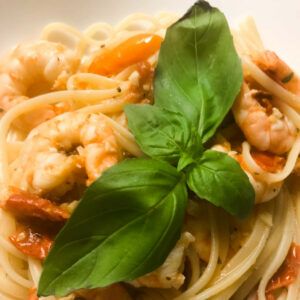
column 130, row 218
column 197, row 79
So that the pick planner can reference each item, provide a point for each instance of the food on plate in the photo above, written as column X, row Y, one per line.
column 154, row 159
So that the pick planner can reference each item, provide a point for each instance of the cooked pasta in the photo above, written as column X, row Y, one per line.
column 64, row 125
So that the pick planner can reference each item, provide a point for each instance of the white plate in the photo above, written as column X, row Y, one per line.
column 278, row 21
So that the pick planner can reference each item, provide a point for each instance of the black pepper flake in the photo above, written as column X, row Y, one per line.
column 168, row 278
column 261, row 95
column 287, row 78
column 102, row 46
column 119, row 89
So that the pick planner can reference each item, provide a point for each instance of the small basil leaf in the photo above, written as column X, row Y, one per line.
column 124, row 227
column 199, row 73
column 185, row 160
column 192, row 152
column 219, row 179
column 162, row 134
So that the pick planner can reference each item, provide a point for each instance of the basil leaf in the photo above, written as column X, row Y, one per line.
column 219, row 179
column 163, row 134
column 199, row 73
column 124, row 227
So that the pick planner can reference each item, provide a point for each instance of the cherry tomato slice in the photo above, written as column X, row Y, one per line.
column 135, row 49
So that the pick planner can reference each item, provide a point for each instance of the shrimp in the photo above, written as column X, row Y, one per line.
column 278, row 70
column 264, row 126
column 33, row 69
column 170, row 274
column 65, row 153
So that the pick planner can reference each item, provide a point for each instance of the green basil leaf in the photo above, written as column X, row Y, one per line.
column 185, row 160
column 163, row 134
column 124, row 227
column 199, row 72
column 219, row 179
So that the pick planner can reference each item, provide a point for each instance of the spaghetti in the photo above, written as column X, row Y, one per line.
column 228, row 271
